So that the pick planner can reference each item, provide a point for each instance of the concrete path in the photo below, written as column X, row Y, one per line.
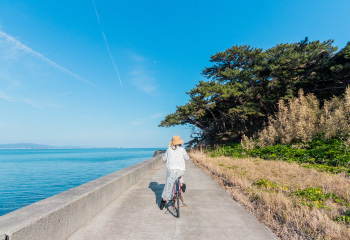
column 210, row 213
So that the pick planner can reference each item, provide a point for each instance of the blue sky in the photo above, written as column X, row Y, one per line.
column 58, row 84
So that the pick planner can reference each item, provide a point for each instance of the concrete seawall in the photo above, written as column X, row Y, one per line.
column 58, row 217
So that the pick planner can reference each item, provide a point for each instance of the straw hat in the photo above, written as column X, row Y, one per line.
column 176, row 140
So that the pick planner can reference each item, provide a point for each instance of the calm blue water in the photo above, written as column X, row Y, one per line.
column 30, row 175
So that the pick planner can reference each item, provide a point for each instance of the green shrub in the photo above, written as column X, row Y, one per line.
column 323, row 155
column 344, row 218
column 326, row 168
column 315, row 197
column 268, row 185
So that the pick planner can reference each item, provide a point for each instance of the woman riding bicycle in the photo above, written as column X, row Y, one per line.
column 174, row 157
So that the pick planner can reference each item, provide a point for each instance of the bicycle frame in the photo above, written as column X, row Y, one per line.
column 177, row 196
column 177, row 189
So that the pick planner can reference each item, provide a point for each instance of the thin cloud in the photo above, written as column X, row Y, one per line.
column 105, row 39
column 141, row 75
column 62, row 94
column 137, row 58
column 144, row 81
column 20, row 46
column 138, row 122
column 6, row 97
column 158, row 115
column 27, row 101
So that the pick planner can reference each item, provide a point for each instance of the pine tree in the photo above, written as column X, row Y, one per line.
column 244, row 85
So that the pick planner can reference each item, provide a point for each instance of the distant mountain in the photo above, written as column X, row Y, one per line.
column 26, row 146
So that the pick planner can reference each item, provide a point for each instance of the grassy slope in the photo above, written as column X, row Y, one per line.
column 295, row 202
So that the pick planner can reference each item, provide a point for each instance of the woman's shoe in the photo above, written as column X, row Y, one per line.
column 183, row 187
column 162, row 204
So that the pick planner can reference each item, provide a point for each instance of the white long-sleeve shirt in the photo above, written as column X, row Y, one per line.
column 175, row 159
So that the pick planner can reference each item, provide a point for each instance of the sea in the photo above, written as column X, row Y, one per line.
column 30, row 175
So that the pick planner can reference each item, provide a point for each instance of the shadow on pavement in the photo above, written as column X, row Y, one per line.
column 170, row 208
column 157, row 190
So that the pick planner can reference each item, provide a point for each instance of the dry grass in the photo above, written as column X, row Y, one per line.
column 335, row 116
column 295, row 120
column 274, row 203
column 300, row 119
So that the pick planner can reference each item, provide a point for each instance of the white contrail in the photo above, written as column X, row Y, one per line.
column 20, row 46
column 30, row 102
column 104, row 38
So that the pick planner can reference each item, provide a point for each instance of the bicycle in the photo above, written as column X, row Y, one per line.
column 178, row 197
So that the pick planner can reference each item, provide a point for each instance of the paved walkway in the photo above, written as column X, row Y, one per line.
column 210, row 213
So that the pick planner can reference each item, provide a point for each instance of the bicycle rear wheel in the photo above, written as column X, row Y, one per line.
column 178, row 205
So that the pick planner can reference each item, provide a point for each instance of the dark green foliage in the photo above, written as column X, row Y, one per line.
column 344, row 218
column 233, row 150
column 323, row 155
column 312, row 194
column 326, row 168
column 245, row 83
column 268, row 185
column 315, row 197
column 312, row 197
column 328, row 152
column 333, row 75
